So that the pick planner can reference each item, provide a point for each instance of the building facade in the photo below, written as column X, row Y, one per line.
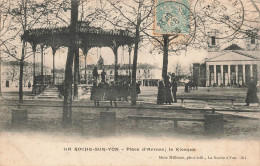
column 146, row 74
column 10, row 73
column 231, row 67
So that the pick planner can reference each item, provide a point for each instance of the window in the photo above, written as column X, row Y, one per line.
column 213, row 40
column 139, row 71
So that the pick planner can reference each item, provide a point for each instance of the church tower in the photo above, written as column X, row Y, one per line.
column 251, row 40
column 213, row 44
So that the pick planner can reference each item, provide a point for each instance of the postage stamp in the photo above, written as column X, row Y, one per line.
column 172, row 17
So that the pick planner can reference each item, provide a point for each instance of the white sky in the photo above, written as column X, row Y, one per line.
column 144, row 55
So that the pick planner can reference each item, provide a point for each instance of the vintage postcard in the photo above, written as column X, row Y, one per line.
column 129, row 82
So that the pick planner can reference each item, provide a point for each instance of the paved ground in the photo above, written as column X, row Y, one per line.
column 148, row 97
column 45, row 116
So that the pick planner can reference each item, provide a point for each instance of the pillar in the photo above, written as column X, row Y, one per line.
column 85, row 53
column 42, row 80
column 34, row 73
column 237, row 74
column 115, row 50
column 19, row 116
column 244, row 74
column 76, row 73
column 222, row 73
column 207, row 75
column 53, row 64
column 85, row 69
column 251, row 71
column 229, row 74
column 107, row 123
column 214, row 125
column 215, row 74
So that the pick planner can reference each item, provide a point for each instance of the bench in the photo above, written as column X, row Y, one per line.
column 213, row 123
column 137, row 118
column 205, row 99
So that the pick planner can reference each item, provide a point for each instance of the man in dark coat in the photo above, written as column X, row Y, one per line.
column 174, row 90
column 94, row 94
column 251, row 96
column 103, row 75
column 95, row 74
column 29, row 85
column 138, row 90
column 112, row 93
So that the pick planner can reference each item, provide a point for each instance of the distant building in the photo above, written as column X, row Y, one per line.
column 146, row 74
column 232, row 66
column 10, row 71
column 59, row 75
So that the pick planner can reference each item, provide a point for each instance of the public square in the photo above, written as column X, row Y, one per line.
column 137, row 82
column 45, row 116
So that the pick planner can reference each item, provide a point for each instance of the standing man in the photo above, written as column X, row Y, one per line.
column 103, row 75
column 95, row 74
column 174, row 89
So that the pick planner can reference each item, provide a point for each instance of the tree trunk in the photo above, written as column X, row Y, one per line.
column 67, row 110
column 130, row 49
column 165, row 55
column 133, row 94
column 21, row 74
column 66, row 118
column 76, row 73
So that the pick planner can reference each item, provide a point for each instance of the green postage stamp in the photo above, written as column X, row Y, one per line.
column 172, row 16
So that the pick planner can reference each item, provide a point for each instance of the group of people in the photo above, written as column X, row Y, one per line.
column 165, row 91
column 112, row 92
column 191, row 85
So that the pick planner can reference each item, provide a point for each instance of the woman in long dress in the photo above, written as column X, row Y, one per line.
column 160, row 95
column 168, row 95
column 251, row 96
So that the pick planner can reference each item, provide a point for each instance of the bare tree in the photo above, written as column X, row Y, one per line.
column 24, row 15
column 133, row 16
